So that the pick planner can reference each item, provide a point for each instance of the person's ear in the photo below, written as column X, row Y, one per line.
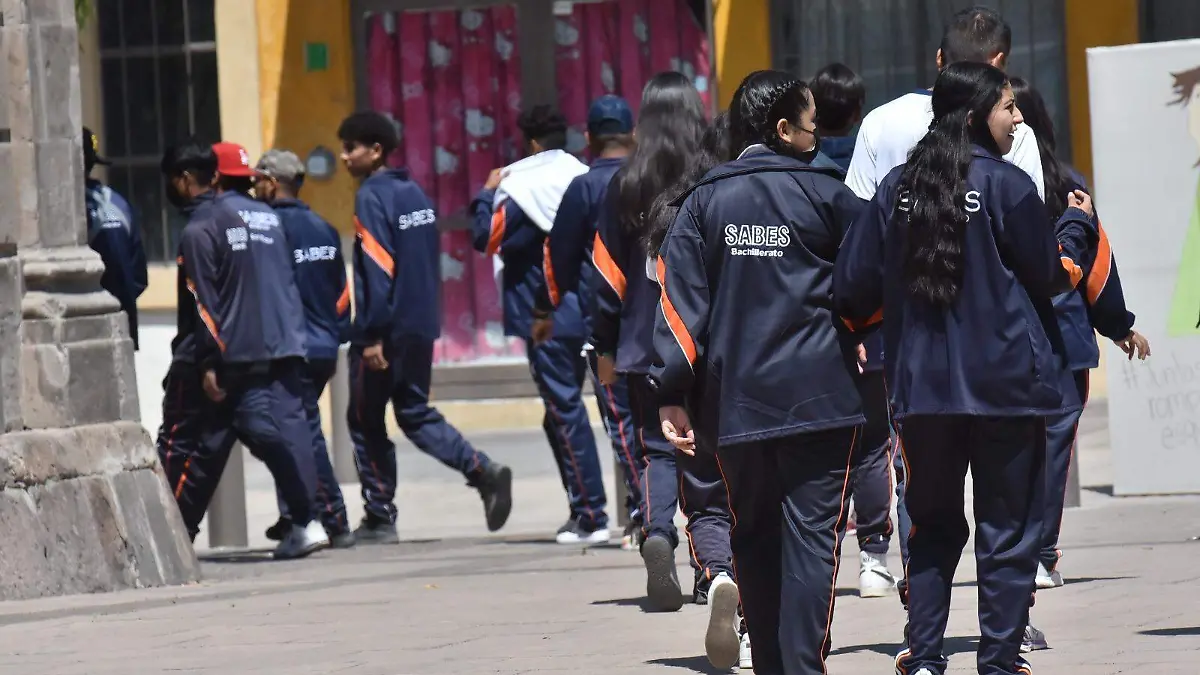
column 587, row 138
column 1000, row 60
column 941, row 62
column 970, row 118
column 784, row 129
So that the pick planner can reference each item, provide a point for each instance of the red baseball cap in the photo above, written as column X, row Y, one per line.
column 233, row 160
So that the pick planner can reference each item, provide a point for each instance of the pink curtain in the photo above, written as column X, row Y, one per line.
column 450, row 80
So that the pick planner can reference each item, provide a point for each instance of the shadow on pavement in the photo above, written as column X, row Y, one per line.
column 1172, row 632
column 696, row 664
column 950, row 647
column 254, row 555
column 639, row 602
column 1106, row 490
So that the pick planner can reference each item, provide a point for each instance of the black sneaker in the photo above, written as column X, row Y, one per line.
column 575, row 532
column 495, row 488
column 343, row 539
column 280, row 529
column 375, row 530
column 662, row 580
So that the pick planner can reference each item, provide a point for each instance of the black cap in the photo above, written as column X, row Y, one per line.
column 91, row 149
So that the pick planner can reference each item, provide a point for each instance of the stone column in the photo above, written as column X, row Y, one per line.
column 85, row 506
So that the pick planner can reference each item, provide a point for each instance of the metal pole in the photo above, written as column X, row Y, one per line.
column 227, row 511
column 1073, row 496
column 341, row 449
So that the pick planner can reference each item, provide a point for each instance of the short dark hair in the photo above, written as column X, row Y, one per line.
column 840, row 96
column 544, row 124
column 605, row 142
column 368, row 128
column 193, row 157
column 975, row 34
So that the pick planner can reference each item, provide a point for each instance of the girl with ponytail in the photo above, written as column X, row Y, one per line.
column 957, row 251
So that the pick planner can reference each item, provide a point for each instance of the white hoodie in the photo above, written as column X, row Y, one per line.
column 537, row 184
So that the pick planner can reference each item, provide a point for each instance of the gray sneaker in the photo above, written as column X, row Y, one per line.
column 662, row 580
column 301, row 542
column 1034, row 640
column 375, row 531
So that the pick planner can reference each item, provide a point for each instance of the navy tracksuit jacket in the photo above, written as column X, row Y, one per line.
column 397, row 296
column 971, row 386
column 244, row 320
column 557, row 365
column 321, row 278
column 567, row 270
column 746, row 335
column 113, row 234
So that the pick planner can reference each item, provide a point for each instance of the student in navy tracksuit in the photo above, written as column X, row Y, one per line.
column 114, row 235
column 752, row 356
column 568, row 272
column 321, row 278
column 397, row 291
column 840, row 97
column 557, row 364
column 964, row 271
column 243, row 323
column 1097, row 305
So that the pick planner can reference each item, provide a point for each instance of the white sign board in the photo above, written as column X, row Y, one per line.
column 1145, row 105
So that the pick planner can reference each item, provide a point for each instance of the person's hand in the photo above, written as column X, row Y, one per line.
column 1134, row 343
column 212, row 388
column 493, row 179
column 373, row 357
column 862, row 358
column 542, row 330
column 1081, row 200
column 606, row 370
column 677, row 428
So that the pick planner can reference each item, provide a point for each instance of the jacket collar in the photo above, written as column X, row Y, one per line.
column 198, row 201
column 760, row 159
column 288, row 203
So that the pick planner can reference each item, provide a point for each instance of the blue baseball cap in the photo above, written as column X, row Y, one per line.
column 609, row 114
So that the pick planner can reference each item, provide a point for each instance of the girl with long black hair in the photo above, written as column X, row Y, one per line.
column 956, row 251
column 1095, row 306
column 751, row 352
column 669, row 132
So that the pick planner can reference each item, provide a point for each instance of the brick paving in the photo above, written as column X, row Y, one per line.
column 449, row 600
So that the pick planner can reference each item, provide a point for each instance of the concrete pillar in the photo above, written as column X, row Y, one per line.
column 1073, row 496
column 84, row 505
column 341, row 448
column 227, row 512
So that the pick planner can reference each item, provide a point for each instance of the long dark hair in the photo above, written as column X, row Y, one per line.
column 669, row 128
column 935, row 178
column 714, row 150
column 761, row 100
column 1055, row 174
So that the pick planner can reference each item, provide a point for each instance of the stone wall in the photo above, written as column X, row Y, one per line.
column 84, row 506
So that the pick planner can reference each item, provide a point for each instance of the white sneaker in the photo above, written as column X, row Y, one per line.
column 721, row 642
column 745, row 662
column 874, row 579
column 576, row 534
column 1047, row 579
column 302, row 541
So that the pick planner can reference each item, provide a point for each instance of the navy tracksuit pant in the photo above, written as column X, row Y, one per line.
column 1006, row 456
column 263, row 408
column 871, row 475
column 405, row 383
column 789, row 500
column 330, row 507
column 673, row 481
column 1061, row 431
column 558, row 368
column 613, row 403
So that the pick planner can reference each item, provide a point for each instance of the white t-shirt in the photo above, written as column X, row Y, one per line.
column 889, row 132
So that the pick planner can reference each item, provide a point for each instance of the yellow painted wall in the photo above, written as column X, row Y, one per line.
column 742, row 42
column 301, row 110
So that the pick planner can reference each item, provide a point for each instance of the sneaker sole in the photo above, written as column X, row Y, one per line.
column 376, row 540
column 721, row 641
column 662, row 589
column 499, row 515
column 1046, row 583
column 302, row 553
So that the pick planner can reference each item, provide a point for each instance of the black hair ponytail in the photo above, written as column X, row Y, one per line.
column 761, row 100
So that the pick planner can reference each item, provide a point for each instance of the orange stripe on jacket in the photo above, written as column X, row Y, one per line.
column 374, row 250
column 1098, row 277
column 497, row 234
column 674, row 321
column 863, row 325
column 603, row 261
column 205, row 316
column 343, row 301
column 548, row 271
column 1072, row 268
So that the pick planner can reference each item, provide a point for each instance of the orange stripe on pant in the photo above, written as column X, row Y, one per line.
column 674, row 321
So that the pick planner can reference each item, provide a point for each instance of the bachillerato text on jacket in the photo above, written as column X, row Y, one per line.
column 397, row 267
column 320, row 277
column 187, row 318
column 746, row 327
column 996, row 349
column 238, row 267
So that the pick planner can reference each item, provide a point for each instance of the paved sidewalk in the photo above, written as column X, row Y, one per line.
column 455, row 602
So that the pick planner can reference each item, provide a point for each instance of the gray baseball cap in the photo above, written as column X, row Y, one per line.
column 282, row 165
